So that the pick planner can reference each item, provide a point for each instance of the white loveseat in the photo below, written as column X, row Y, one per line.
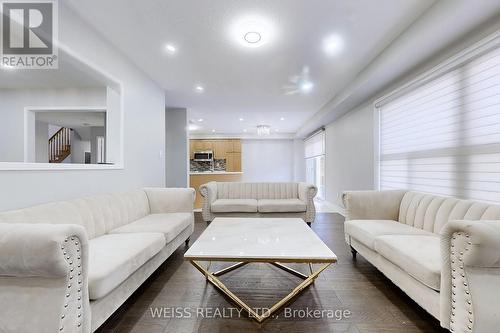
column 67, row 266
column 443, row 252
column 258, row 199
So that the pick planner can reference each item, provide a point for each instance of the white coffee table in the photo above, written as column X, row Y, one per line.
column 269, row 240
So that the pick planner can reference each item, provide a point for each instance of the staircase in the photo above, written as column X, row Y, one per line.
column 60, row 145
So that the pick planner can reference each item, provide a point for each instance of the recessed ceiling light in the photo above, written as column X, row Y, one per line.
column 241, row 119
column 245, row 130
column 199, row 88
column 333, row 44
column 282, row 118
column 200, row 120
column 170, row 48
column 213, row 131
column 306, row 86
column 252, row 31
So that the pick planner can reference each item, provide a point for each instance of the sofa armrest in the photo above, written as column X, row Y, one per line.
column 209, row 193
column 307, row 192
column 170, row 200
column 43, row 271
column 372, row 205
column 470, row 276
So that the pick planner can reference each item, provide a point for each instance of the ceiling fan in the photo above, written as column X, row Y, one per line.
column 299, row 84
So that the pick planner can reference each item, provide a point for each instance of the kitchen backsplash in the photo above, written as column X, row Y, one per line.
column 201, row 166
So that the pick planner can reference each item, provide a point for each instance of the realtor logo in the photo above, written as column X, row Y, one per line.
column 28, row 34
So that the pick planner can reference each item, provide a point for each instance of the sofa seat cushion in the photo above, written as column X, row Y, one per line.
column 418, row 255
column 281, row 206
column 365, row 231
column 234, row 205
column 113, row 258
column 169, row 224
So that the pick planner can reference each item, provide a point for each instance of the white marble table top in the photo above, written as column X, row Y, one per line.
column 260, row 239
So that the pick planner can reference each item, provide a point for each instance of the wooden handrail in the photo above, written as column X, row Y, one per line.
column 60, row 145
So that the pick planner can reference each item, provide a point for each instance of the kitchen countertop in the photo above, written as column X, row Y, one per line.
column 215, row 172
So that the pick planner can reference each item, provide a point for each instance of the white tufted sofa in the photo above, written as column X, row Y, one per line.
column 67, row 266
column 443, row 252
column 258, row 199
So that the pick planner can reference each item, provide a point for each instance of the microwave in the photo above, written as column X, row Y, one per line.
column 205, row 155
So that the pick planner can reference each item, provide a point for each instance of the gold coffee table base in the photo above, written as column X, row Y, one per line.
column 212, row 277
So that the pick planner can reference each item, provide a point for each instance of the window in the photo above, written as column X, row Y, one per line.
column 315, row 162
column 442, row 136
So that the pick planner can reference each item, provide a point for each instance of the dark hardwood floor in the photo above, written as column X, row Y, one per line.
column 351, row 297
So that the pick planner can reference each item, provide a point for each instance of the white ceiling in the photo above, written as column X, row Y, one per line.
column 70, row 73
column 241, row 82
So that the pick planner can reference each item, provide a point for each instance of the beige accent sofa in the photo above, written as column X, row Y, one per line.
column 443, row 252
column 258, row 199
column 67, row 266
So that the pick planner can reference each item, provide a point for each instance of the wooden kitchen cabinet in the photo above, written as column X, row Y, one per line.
column 220, row 149
column 197, row 145
column 228, row 149
column 207, row 145
column 233, row 162
column 236, row 162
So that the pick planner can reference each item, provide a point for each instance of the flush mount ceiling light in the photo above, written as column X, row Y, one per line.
column 199, row 89
column 263, row 130
column 252, row 37
column 333, row 44
column 213, row 131
column 200, row 120
column 241, row 119
column 252, row 31
column 282, row 118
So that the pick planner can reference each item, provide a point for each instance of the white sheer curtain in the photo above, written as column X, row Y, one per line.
column 444, row 136
column 314, row 148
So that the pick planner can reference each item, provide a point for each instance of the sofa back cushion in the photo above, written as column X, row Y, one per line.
column 235, row 190
column 97, row 214
column 431, row 212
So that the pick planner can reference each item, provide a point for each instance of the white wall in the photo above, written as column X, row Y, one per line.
column 144, row 131
column 13, row 102
column 350, row 153
column 299, row 162
column 41, row 142
column 267, row 160
column 177, row 147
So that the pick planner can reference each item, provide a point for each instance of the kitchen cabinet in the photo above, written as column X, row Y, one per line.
column 233, row 162
column 220, row 149
column 228, row 149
